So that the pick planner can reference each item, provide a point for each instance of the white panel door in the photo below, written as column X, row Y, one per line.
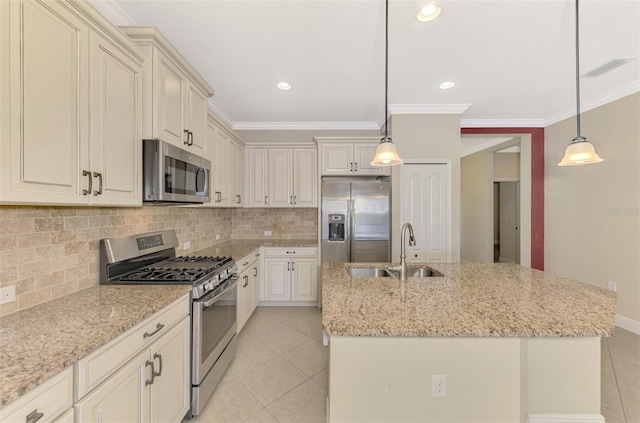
column 281, row 178
column 304, row 280
column 336, row 159
column 116, row 147
column 47, row 103
column 196, row 118
column 425, row 206
column 363, row 155
column 258, row 177
column 305, row 178
column 171, row 85
column 171, row 387
column 277, row 280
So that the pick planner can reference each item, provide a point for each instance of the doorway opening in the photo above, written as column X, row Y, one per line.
column 506, row 217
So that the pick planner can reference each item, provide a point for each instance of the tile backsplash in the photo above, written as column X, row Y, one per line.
column 48, row 252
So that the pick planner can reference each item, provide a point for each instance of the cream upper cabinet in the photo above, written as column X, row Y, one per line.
column 257, row 177
column 282, row 177
column 174, row 95
column 237, row 174
column 66, row 123
column 222, row 166
column 227, row 166
column 349, row 157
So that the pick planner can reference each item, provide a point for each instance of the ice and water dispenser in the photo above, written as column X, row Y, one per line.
column 336, row 227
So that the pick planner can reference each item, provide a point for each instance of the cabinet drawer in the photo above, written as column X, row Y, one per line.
column 51, row 399
column 100, row 364
column 291, row 252
column 247, row 261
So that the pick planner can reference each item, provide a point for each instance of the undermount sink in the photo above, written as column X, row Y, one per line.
column 359, row 272
column 376, row 272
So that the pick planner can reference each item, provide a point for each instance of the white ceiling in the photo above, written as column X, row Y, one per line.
column 513, row 61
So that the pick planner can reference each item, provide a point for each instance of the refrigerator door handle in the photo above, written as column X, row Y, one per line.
column 351, row 211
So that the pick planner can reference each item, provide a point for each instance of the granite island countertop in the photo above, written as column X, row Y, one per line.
column 41, row 341
column 238, row 248
column 470, row 300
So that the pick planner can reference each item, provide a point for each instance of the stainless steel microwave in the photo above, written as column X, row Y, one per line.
column 173, row 175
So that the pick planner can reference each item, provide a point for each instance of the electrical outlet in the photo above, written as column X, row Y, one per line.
column 217, row 237
column 267, row 233
column 7, row 294
column 186, row 245
column 612, row 286
column 438, row 386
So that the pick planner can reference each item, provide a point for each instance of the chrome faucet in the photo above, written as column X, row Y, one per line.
column 402, row 267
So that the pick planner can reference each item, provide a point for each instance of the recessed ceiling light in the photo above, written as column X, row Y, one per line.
column 283, row 85
column 446, row 85
column 429, row 12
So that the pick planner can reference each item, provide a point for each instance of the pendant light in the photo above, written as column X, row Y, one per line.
column 580, row 151
column 386, row 153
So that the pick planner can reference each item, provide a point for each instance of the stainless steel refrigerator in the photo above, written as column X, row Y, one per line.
column 356, row 220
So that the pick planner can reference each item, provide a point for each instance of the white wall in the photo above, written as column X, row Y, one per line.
column 506, row 166
column 427, row 137
column 592, row 212
column 476, row 215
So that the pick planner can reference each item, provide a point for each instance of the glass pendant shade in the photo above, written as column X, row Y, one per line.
column 580, row 152
column 386, row 154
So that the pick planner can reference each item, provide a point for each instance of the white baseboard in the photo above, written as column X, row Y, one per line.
column 628, row 324
column 506, row 260
column 565, row 418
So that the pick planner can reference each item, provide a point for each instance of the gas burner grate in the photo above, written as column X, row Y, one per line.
column 216, row 261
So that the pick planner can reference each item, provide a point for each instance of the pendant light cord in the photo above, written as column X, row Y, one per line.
column 386, row 65
column 578, row 71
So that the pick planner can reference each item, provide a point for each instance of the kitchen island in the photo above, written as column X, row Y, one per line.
column 513, row 342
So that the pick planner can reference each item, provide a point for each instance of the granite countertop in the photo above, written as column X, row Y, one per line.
column 41, row 341
column 241, row 247
column 471, row 300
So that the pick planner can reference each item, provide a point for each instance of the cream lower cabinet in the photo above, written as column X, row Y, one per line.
column 70, row 129
column 350, row 156
column 249, row 276
column 153, row 385
column 290, row 274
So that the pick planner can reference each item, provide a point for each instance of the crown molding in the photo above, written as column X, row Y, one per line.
column 112, row 12
column 305, row 126
column 434, row 109
column 220, row 114
column 614, row 95
column 502, row 123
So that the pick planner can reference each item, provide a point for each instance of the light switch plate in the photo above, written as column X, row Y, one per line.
column 7, row 294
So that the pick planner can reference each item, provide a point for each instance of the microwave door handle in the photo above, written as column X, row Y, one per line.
column 211, row 301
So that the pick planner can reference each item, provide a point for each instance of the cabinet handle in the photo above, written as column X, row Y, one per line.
column 291, row 252
column 190, row 138
column 153, row 373
column 218, row 196
column 255, row 271
column 159, row 357
column 295, row 199
column 99, row 176
column 159, row 327
column 355, row 167
column 238, row 199
column 288, row 266
column 246, row 281
column 87, row 191
column 291, row 199
column 265, row 199
column 257, row 255
column 186, row 139
column 245, row 263
column 292, row 266
column 34, row 416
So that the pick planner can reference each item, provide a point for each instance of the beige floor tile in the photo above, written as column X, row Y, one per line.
column 227, row 377
column 310, row 357
column 262, row 416
column 260, row 323
column 310, row 326
column 304, row 404
column 624, row 349
column 283, row 339
column 251, row 353
column 291, row 315
column 271, row 380
column 230, row 403
column 611, row 406
column 322, row 378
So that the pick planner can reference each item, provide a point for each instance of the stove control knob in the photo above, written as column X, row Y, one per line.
column 208, row 286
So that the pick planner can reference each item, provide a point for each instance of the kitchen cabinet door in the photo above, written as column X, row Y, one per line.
column 196, row 119
column 305, row 178
column 277, row 279
column 363, row 154
column 221, row 195
column 304, row 280
column 336, row 159
column 171, row 85
column 124, row 397
column 116, row 147
column 171, row 388
column 280, row 178
column 45, row 122
column 237, row 172
column 257, row 177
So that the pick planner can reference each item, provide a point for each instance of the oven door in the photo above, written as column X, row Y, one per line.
column 214, row 325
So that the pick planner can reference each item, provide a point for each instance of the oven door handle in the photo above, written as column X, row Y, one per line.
column 209, row 302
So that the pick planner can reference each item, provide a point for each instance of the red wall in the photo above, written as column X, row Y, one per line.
column 537, row 185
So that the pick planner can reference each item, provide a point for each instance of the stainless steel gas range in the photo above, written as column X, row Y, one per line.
column 150, row 258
